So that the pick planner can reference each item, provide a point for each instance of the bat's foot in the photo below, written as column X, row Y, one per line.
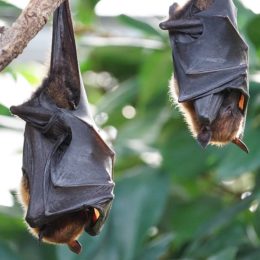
column 240, row 144
column 75, row 246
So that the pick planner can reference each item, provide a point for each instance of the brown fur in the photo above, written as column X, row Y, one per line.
column 203, row 4
column 59, row 95
column 177, row 11
column 64, row 230
column 225, row 128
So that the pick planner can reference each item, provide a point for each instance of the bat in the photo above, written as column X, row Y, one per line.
column 210, row 81
column 67, row 185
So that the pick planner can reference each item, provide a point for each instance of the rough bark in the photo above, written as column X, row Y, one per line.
column 14, row 39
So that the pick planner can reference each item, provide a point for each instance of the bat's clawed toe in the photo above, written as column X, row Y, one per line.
column 204, row 136
column 75, row 246
column 241, row 145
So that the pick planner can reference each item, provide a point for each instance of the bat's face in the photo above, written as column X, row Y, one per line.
column 227, row 125
column 217, row 119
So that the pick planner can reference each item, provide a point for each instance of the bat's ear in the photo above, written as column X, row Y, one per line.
column 240, row 144
column 97, row 219
column 64, row 62
column 204, row 136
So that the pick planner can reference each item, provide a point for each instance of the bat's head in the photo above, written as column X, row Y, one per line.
column 220, row 118
column 215, row 119
column 67, row 228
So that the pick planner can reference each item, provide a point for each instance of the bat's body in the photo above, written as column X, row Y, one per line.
column 210, row 60
column 67, row 182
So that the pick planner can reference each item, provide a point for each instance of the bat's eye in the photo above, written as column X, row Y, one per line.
column 95, row 216
column 241, row 102
column 228, row 110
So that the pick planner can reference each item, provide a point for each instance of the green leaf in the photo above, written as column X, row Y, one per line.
column 154, row 80
column 220, row 221
column 144, row 129
column 157, row 248
column 7, row 253
column 116, row 99
column 4, row 110
column 140, row 25
column 114, row 59
column 235, row 162
column 7, row 4
column 227, row 254
column 85, row 11
column 253, row 31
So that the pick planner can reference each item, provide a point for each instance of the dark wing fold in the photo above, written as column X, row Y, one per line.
column 46, row 121
column 208, row 52
column 64, row 60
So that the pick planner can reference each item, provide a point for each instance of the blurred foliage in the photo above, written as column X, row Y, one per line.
column 173, row 200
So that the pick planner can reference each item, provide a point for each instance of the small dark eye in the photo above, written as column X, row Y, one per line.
column 228, row 110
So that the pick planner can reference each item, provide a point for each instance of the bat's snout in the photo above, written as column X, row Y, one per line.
column 204, row 136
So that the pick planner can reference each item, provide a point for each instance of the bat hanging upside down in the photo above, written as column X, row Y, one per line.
column 64, row 230
column 67, row 184
column 210, row 84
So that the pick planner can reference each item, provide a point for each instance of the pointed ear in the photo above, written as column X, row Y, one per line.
column 64, row 62
column 240, row 144
column 204, row 136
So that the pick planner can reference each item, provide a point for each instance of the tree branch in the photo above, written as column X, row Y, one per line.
column 14, row 39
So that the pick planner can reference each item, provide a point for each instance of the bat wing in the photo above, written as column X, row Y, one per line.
column 68, row 164
column 211, row 58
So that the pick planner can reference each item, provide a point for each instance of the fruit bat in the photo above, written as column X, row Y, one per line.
column 210, row 84
column 67, row 184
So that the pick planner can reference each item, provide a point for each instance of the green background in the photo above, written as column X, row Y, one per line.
column 173, row 200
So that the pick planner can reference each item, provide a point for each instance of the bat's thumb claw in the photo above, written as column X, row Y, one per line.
column 15, row 110
column 75, row 246
column 164, row 25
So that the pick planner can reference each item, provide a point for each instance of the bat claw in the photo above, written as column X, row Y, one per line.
column 75, row 246
column 240, row 144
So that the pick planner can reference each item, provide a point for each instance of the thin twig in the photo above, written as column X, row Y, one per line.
column 14, row 39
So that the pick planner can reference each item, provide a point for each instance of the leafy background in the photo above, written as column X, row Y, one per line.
column 173, row 200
